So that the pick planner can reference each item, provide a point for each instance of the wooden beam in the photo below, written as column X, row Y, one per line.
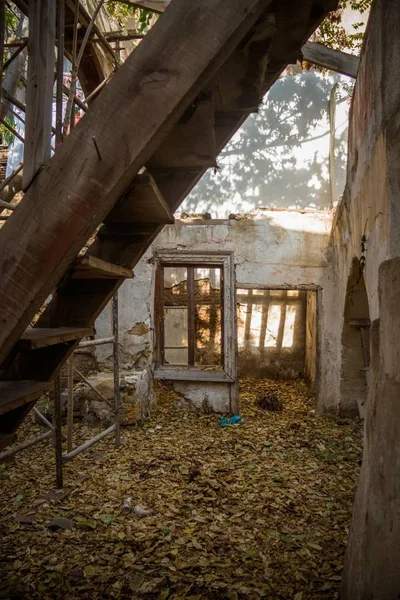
column 2, row 35
column 91, row 267
column 39, row 92
column 157, row 6
column 335, row 60
column 18, row 393
column 37, row 337
column 98, row 160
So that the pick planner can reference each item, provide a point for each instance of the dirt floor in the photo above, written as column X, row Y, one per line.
column 259, row 509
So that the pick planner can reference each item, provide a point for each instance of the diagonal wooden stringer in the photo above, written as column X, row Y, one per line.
column 171, row 107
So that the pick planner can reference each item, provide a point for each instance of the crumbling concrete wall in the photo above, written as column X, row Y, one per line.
column 366, row 231
column 272, row 249
column 372, row 562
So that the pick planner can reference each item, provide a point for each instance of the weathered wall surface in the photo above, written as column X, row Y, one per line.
column 372, row 563
column 271, row 333
column 272, row 249
column 366, row 233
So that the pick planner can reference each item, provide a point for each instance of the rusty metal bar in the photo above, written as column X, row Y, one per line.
column 58, row 431
column 81, row 375
column 70, row 403
column 70, row 455
column 99, row 87
column 117, row 399
column 98, row 342
column 43, row 418
column 24, row 445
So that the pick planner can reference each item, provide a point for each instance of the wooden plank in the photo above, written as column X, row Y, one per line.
column 17, row 393
column 39, row 337
column 141, row 203
column 335, row 60
column 127, row 122
column 239, row 84
column 192, row 141
column 39, row 92
column 91, row 267
column 175, row 184
column 191, row 307
column 191, row 374
column 157, row 6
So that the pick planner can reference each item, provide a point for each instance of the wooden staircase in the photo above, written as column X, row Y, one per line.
column 148, row 138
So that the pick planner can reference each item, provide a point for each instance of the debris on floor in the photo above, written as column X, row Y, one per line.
column 256, row 511
column 269, row 401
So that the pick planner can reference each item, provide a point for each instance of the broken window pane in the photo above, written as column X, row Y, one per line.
column 176, row 316
column 208, row 311
column 274, row 319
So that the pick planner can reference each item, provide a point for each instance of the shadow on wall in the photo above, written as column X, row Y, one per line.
column 355, row 345
column 280, row 157
column 271, row 333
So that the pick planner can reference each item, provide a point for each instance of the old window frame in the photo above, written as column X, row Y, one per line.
column 224, row 261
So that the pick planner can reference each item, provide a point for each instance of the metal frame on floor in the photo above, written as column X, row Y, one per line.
column 55, row 429
column 71, row 453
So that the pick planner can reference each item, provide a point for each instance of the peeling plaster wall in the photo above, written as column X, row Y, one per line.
column 272, row 248
column 371, row 207
column 135, row 303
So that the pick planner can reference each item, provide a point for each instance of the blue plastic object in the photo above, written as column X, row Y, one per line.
column 231, row 421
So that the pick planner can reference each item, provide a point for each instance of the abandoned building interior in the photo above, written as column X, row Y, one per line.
column 199, row 287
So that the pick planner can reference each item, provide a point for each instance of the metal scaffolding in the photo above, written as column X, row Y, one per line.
column 55, row 429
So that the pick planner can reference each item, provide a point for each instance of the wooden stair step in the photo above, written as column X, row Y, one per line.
column 39, row 337
column 91, row 267
column 133, row 230
column 239, row 83
column 175, row 184
column 17, row 393
column 191, row 143
column 141, row 203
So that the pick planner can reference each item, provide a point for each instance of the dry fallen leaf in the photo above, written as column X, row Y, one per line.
column 259, row 510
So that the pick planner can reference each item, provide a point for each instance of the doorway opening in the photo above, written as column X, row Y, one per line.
column 355, row 346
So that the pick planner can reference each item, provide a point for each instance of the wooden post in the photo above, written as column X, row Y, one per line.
column 332, row 139
column 70, row 405
column 60, row 68
column 39, row 94
column 2, row 35
column 58, row 431
column 191, row 308
column 117, row 398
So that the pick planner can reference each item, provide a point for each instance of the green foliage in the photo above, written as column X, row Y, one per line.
column 122, row 12
column 331, row 32
column 6, row 135
column 11, row 21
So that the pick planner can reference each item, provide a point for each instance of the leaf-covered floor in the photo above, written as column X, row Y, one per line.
column 259, row 509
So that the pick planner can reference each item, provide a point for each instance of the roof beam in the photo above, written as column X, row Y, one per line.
column 334, row 60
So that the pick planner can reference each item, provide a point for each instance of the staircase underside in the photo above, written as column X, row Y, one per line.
column 158, row 126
